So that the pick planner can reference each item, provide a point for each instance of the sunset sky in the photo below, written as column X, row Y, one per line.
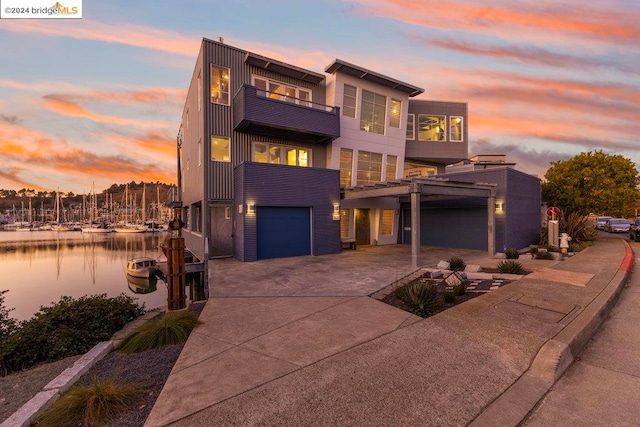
column 99, row 99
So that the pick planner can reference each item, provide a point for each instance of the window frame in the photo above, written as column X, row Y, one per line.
column 382, row 222
column 296, row 99
column 284, row 150
column 411, row 118
column 451, row 138
column 395, row 167
column 228, row 148
column 344, row 171
column 369, row 170
column 373, row 123
column 398, row 116
column 353, row 98
column 442, row 133
column 220, row 87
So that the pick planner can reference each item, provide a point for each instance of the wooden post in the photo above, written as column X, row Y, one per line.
column 176, row 274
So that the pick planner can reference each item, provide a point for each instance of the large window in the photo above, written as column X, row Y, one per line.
column 199, row 152
column 281, row 155
column 392, row 166
column 372, row 112
column 346, row 167
column 416, row 169
column 349, row 101
column 411, row 121
column 345, row 223
column 282, row 91
column 220, row 149
column 196, row 217
column 199, row 91
column 219, row 85
column 394, row 113
column 369, row 168
column 431, row 128
column 456, row 129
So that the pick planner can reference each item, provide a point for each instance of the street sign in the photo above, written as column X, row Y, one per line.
column 553, row 212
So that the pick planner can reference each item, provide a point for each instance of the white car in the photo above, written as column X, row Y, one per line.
column 600, row 222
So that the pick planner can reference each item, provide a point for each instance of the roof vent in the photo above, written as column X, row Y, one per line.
column 220, row 39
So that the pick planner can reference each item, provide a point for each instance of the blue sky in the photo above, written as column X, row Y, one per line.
column 99, row 99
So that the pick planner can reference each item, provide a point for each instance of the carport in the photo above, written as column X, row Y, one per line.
column 420, row 189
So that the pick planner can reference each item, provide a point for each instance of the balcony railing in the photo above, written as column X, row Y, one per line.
column 262, row 112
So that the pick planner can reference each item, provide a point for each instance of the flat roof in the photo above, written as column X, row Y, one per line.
column 372, row 76
column 282, row 68
column 426, row 186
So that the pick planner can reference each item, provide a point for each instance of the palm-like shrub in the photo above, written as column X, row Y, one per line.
column 512, row 253
column 460, row 289
column 579, row 227
column 93, row 404
column 420, row 298
column 457, row 264
column 510, row 267
column 173, row 328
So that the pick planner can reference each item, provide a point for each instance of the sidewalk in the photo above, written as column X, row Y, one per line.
column 349, row 359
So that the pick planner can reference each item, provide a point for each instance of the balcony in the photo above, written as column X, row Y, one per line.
column 261, row 112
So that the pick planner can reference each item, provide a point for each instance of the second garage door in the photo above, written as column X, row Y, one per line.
column 283, row 231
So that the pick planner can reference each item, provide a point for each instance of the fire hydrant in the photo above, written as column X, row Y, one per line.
column 564, row 243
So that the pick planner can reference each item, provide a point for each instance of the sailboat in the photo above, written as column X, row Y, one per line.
column 59, row 225
column 91, row 228
column 129, row 227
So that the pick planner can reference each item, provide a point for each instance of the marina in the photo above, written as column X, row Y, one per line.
column 40, row 267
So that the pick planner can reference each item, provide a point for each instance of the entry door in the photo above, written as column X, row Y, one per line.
column 283, row 231
column 363, row 227
column 221, row 241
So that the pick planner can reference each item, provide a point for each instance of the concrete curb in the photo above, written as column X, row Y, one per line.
column 555, row 356
column 24, row 416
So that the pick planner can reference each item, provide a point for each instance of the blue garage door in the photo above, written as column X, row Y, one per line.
column 283, row 232
column 451, row 228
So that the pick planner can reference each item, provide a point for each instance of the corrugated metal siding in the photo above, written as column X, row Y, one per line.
column 238, row 218
column 286, row 186
column 522, row 203
column 218, row 118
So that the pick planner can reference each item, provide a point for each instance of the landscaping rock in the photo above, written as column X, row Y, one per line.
column 444, row 265
column 471, row 268
column 500, row 255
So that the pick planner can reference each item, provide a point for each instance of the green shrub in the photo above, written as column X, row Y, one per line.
column 173, row 328
column 90, row 405
column 67, row 328
column 512, row 253
column 457, row 264
column 534, row 250
column 460, row 289
column 8, row 325
column 449, row 297
column 544, row 255
column 420, row 298
column 510, row 267
column 579, row 227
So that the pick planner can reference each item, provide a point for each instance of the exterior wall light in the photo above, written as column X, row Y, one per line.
column 336, row 212
column 500, row 207
column 251, row 208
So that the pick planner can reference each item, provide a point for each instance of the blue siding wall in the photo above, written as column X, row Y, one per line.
column 286, row 186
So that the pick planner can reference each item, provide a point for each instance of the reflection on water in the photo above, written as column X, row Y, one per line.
column 39, row 267
column 140, row 285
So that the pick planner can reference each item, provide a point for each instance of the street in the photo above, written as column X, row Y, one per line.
column 603, row 385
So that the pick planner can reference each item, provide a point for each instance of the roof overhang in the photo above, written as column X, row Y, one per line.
column 372, row 76
column 429, row 187
column 282, row 68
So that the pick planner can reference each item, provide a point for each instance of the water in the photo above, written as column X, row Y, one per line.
column 41, row 266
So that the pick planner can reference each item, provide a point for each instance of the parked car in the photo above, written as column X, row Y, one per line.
column 600, row 222
column 633, row 230
column 617, row 225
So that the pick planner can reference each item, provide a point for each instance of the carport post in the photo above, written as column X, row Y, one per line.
column 415, row 190
column 491, row 223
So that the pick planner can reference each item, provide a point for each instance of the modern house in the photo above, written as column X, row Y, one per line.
column 276, row 160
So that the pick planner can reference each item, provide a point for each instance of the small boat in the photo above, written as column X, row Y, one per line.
column 131, row 229
column 143, row 267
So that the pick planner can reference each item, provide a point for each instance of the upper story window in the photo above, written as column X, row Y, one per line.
column 392, row 167
column 456, row 129
column 199, row 152
column 219, row 85
column 282, row 91
column 281, row 155
column 394, row 113
column 372, row 112
column 411, row 121
column 220, row 149
column 346, row 167
column 199, row 90
column 431, row 128
column 369, row 168
column 349, row 101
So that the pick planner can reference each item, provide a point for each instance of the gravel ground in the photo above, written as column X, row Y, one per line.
column 150, row 368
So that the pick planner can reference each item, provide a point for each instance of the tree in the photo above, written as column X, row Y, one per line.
column 593, row 182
